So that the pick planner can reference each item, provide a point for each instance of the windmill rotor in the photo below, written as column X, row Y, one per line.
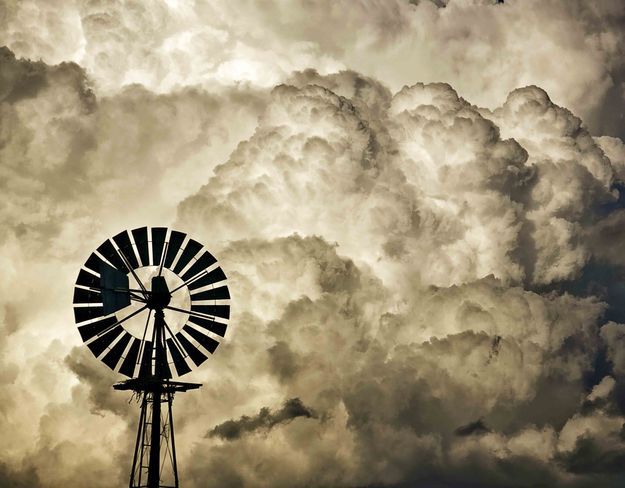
column 141, row 271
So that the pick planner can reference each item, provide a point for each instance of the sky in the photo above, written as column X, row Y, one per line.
column 417, row 204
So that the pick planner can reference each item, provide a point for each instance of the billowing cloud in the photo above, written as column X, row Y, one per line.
column 430, row 176
column 445, row 199
column 483, row 48
column 418, row 215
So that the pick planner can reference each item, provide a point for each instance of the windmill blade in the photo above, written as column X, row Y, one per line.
column 130, row 361
column 87, row 296
column 146, row 360
column 94, row 328
column 140, row 236
column 222, row 311
column 205, row 341
column 189, row 252
column 87, row 279
column 112, row 357
column 101, row 343
column 194, row 353
column 93, row 262
column 175, row 241
column 181, row 365
column 125, row 246
column 158, row 244
column 208, row 279
column 219, row 293
column 203, row 262
column 82, row 314
column 112, row 279
column 110, row 253
column 215, row 327
column 166, row 369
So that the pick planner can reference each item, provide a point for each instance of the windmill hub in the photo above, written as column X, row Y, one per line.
column 159, row 297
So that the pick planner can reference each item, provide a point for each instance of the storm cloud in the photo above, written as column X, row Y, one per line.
column 418, row 206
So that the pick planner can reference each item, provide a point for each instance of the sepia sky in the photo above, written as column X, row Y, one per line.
column 417, row 204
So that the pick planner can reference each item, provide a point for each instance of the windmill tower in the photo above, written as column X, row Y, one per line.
column 164, row 324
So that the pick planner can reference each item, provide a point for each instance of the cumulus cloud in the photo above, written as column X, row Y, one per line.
column 454, row 271
column 430, row 176
column 418, row 215
column 482, row 48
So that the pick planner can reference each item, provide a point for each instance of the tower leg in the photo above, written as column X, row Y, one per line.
column 154, row 467
column 135, row 474
column 170, row 400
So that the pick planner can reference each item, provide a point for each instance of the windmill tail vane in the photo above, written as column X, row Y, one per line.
column 152, row 304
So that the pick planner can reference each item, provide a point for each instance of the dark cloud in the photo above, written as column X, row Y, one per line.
column 264, row 421
column 284, row 363
column 22, row 78
column 20, row 479
column 98, row 382
column 588, row 456
column 473, row 428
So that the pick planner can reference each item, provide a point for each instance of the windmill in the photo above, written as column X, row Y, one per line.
column 152, row 304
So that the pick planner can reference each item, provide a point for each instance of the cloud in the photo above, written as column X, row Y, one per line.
column 588, row 457
column 493, row 207
column 472, row 428
column 265, row 420
column 614, row 335
column 433, row 180
column 483, row 49
column 21, row 479
column 417, row 226
column 74, row 168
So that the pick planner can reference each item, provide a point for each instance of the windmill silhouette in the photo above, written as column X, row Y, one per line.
column 161, row 327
